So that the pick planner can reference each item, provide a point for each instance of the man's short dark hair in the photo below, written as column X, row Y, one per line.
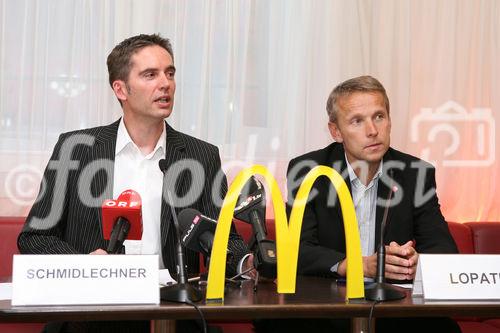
column 119, row 60
column 358, row 84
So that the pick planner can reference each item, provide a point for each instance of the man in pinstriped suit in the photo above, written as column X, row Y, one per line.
column 91, row 165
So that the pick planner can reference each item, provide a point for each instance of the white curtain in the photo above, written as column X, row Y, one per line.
column 253, row 78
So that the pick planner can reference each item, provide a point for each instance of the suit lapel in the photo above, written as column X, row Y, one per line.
column 174, row 152
column 339, row 164
column 103, row 153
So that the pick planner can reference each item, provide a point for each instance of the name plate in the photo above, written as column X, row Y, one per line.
column 458, row 277
column 85, row 279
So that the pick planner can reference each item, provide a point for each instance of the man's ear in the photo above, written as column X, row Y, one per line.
column 120, row 89
column 335, row 132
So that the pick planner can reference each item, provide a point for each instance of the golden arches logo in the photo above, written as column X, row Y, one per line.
column 287, row 235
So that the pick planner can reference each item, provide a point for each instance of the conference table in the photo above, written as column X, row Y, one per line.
column 314, row 298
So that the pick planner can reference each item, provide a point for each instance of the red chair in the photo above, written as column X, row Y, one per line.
column 10, row 227
column 486, row 237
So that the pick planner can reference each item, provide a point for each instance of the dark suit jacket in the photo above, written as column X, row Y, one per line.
column 66, row 217
column 322, row 241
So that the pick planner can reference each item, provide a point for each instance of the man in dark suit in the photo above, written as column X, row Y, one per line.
column 360, row 123
column 91, row 165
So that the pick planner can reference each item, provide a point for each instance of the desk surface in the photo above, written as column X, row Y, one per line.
column 314, row 297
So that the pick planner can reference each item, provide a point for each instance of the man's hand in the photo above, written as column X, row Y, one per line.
column 342, row 268
column 252, row 274
column 248, row 264
column 400, row 262
column 99, row 252
column 370, row 266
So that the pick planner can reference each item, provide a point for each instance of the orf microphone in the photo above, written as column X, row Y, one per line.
column 382, row 291
column 122, row 219
column 118, row 236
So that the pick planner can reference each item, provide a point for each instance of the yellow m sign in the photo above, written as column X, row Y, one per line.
column 287, row 234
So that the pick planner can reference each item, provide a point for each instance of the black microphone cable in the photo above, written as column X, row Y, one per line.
column 370, row 316
column 203, row 321
column 202, row 317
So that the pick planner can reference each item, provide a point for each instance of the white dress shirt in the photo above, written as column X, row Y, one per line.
column 141, row 173
column 365, row 204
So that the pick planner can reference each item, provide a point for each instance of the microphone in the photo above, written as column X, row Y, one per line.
column 163, row 165
column 122, row 219
column 182, row 291
column 382, row 291
column 251, row 208
column 118, row 236
column 197, row 231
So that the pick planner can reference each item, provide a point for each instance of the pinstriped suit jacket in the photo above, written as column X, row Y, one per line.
column 66, row 217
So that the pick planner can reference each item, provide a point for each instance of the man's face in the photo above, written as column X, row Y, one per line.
column 149, row 90
column 363, row 126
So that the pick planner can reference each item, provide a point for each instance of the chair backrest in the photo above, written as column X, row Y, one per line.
column 245, row 229
column 462, row 235
column 10, row 227
column 486, row 237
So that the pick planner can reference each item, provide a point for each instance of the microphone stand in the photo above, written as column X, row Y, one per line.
column 182, row 291
column 382, row 291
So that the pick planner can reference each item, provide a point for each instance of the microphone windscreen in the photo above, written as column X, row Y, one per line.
column 251, row 186
column 196, row 229
column 128, row 205
column 163, row 164
column 251, row 194
column 186, row 217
